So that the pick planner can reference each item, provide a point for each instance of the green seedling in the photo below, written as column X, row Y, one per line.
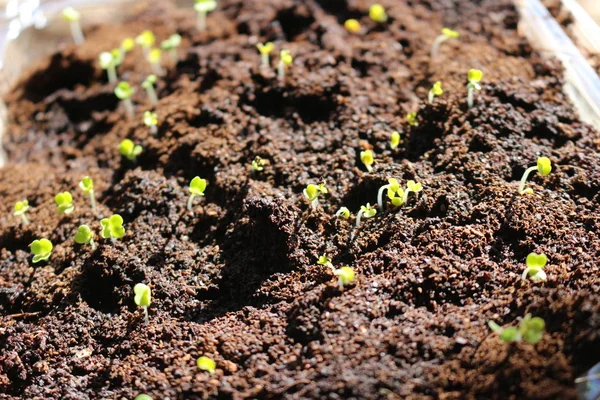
column 285, row 59
column 366, row 211
column 529, row 329
column 124, row 91
column 20, row 208
column 148, row 85
column 41, row 250
column 264, row 50
column 85, row 235
column 326, row 261
column 154, row 58
column 343, row 212
column 197, row 188
column 142, row 397
column 258, row 164
column 206, row 364
column 395, row 140
column 377, row 13
column 130, row 150
column 170, row 45
column 543, row 167
column 411, row 118
column 392, row 186
column 535, row 267
column 87, row 185
column 345, row 276
column 143, row 298
column 312, row 193
column 112, row 228
column 202, row 8
column 352, row 25
column 151, row 121
column 64, row 203
column 72, row 16
column 446, row 34
column 367, row 157
column 110, row 61
column 474, row 77
column 126, row 46
column 146, row 40
column 436, row 90
column 411, row 186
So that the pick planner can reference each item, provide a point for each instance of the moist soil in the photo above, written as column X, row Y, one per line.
column 237, row 279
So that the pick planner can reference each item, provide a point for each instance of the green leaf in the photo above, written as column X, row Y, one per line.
column 84, row 235
column 142, row 295
column 510, row 334
column 197, row 186
column 534, row 260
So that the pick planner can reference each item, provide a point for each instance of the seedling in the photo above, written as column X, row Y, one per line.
column 197, row 188
column 202, row 8
column 109, row 61
column 367, row 159
column 436, row 90
column 41, row 250
column 124, row 91
column 474, row 77
column 345, row 276
column 365, row 211
column 85, row 235
column 20, row 209
column 392, row 186
column 143, row 298
column 112, row 228
column 447, row 33
column 326, row 261
column 265, row 50
column 312, row 193
column 411, row 186
column 397, row 197
column 87, row 185
column 535, row 267
column 285, row 59
column 258, row 164
column 206, row 364
column 352, row 25
column 343, row 212
column 377, row 13
column 529, row 329
column 170, row 45
column 148, row 85
column 543, row 167
column 154, row 58
column 126, row 46
column 142, row 397
column 151, row 120
column 395, row 140
column 72, row 16
column 64, row 203
column 411, row 118
column 146, row 39
column 130, row 150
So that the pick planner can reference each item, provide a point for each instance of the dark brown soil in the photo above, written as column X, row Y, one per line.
column 238, row 280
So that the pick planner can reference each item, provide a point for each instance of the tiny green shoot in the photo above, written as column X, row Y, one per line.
column 326, row 261
column 395, row 140
column 312, row 193
column 345, row 276
column 535, row 267
column 126, row 46
column 197, row 188
column 446, row 34
column 258, row 164
column 206, row 364
column 367, row 157
column 85, row 235
column 72, row 16
column 146, row 40
column 285, row 59
column 109, row 60
column 151, row 121
column 377, row 13
column 343, row 212
column 202, row 8
column 392, row 186
column 411, row 118
column 436, row 90
column 154, row 58
column 130, row 150
column 112, row 228
column 41, row 249
column 170, row 45
column 20, row 208
column 143, row 298
column 411, row 186
column 124, row 91
column 148, row 85
column 529, row 329
column 264, row 50
column 64, row 203
column 366, row 211
column 142, row 396
column 543, row 167
column 87, row 185
column 352, row 25
column 474, row 77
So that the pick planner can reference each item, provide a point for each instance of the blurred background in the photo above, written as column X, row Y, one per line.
column 593, row 7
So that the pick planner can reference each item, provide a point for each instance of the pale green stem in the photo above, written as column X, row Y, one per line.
column 152, row 94
column 201, row 21
column 113, row 240
column 190, row 202
column 524, row 178
column 77, row 33
column 435, row 47
column 315, row 203
column 129, row 108
column 358, row 217
column 146, row 320
column 431, row 96
column 111, row 71
column 153, row 129
column 405, row 197
column 380, row 195
column 93, row 244
column 470, row 96
column 281, row 70
column 92, row 200
column 264, row 60
column 331, row 267
column 24, row 218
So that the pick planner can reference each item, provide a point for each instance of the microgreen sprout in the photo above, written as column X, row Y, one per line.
column 392, row 186
column 171, row 45
column 326, row 261
column 146, row 39
column 72, row 16
column 366, row 211
column 535, row 267
column 312, row 193
column 130, row 150
column 474, row 77
column 367, row 159
column 85, row 235
column 264, row 50
column 151, row 120
column 377, row 13
column 285, row 59
column 411, row 118
column 206, row 364
column 142, row 397
column 143, row 298
column 203, row 7
column 446, row 34
column 197, row 188
column 87, row 185
column 20, row 209
column 258, row 164
column 41, row 250
column 543, row 167
column 395, row 140
column 112, row 228
column 352, row 25
column 411, row 186
column 345, row 276
column 436, row 90
column 148, row 85
column 154, row 58
column 109, row 61
column 343, row 212
column 126, row 46
column 124, row 91
column 64, row 203
column 529, row 329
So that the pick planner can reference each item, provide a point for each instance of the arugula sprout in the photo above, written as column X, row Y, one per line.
column 530, row 329
column 264, row 50
column 72, row 16
column 171, row 45
column 446, row 34
column 87, row 185
column 148, row 85
column 41, row 250
column 197, row 188
column 543, row 167
column 203, row 7
column 143, row 298
column 20, row 208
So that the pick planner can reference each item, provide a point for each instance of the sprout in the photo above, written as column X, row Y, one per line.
column 112, row 228
column 154, row 58
column 343, row 212
column 146, row 39
column 20, row 209
column 411, row 186
column 447, row 33
column 352, row 25
column 171, row 45
column 392, row 186
column 124, row 91
column 72, row 16
column 474, row 77
column 130, row 150
column 436, row 90
column 367, row 211
column 543, row 167
column 326, row 261
column 126, row 46
column 142, row 397
column 345, row 276
column 148, row 85
column 397, row 197
column 258, row 164
column 197, row 188
column 41, row 250
column 265, row 50
column 64, row 202
column 109, row 61
column 412, row 119
column 535, row 267
column 529, row 329
column 87, row 185
column 203, row 7
column 367, row 158
column 143, row 298
column 151, row 120
column 312, row 193
column 285, row 59
column 395, row 140
column 377, row 13
column 85, row 235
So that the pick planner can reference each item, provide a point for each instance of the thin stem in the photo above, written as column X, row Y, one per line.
column 24, row 218
column 281, row 70
column 92, row 200
column 190, row 202
column 112, row 74
column 174, row 57
column 315, row 203
column 201, row 21
column 146, row 320
column 524, row 179
column 380, row 196
column 156, row 68
column 153, row 129
column 405, row 197
column 470, row 96
column 152, row 94
column 77, row 33
column 331, row 267
column 431, row 96
column 113, row 240
column 93, row 244
column 358, row 217
column 264, row 60
column 129, row 108
column 435, row 47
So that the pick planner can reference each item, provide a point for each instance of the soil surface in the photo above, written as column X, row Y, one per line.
column 237, row 279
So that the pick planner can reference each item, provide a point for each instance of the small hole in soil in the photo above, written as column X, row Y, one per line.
column 295, row 20
column 80, row 109
column 310, row 107
column 96, row 285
